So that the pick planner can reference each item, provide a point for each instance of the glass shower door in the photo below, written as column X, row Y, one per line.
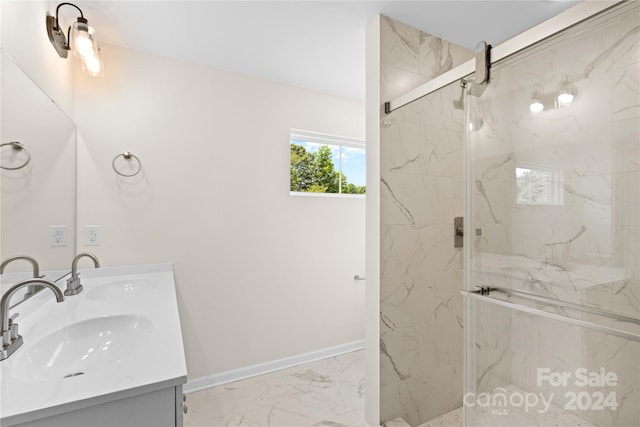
column 553, row 231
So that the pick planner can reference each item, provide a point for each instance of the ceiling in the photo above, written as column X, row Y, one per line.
column 318, row 45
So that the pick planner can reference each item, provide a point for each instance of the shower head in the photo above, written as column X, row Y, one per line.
column 458, row 104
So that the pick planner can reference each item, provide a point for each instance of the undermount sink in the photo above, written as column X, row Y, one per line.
column 119, row 289
column 81, row 348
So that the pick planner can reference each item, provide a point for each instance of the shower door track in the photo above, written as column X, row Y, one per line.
column 484, row 295
column 554, row 25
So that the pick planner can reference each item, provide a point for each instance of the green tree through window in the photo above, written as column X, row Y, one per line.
column 313, row 170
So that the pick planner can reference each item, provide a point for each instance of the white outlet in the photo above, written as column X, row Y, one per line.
column 92, row 235
column 57, row 235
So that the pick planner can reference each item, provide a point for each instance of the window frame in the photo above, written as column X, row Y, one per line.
column 556, row 194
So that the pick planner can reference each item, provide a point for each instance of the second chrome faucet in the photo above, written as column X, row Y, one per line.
column 74, row 287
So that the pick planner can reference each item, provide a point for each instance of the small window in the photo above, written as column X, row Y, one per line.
column 538, row 185
column 326, row 164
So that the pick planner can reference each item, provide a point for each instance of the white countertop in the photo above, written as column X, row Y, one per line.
column 156, row 363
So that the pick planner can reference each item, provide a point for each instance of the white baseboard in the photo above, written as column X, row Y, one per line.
column 201, row 383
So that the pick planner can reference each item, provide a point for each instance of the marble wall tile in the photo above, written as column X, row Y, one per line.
column 418, row 380
column 421, row 189
column 443, row 109
column 421, row 300
column 626, row 92
column 589, row 152
column 492, row 357
column 543, row 343
column 397, row 81
column 437, row 56
column 585, row 247
column 400, row 45
column 417, row 54
column 627, row 135
column 416, row 200
column 403, row 148
column 626, row 202
column 626, row 297
column 631, row 251
column 422, row 150
column 411, row 252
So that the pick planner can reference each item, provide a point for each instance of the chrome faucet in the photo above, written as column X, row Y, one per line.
column 32, row 289
column 11, row 340
column 74, row 287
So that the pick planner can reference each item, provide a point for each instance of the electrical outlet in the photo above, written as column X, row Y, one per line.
column 92, row 235
column 58, row 235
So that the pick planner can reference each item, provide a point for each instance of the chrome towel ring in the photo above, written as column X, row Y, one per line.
column 127, row 155
column 18, row 146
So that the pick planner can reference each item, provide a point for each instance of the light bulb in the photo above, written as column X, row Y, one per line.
column 565, row 99
column 536, row 106
column 84, row 45
column 84, row 41
column 92, row 65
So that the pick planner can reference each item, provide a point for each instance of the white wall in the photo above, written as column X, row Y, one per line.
column 24, row 38
column 261, row 275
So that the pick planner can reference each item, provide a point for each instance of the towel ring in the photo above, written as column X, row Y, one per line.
column 127, row 155
column 17, row 146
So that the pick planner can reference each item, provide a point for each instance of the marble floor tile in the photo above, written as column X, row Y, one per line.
column 398, row 422
column 327, row 392
column 450, row 419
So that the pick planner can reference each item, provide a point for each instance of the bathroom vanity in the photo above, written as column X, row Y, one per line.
column 111, row 355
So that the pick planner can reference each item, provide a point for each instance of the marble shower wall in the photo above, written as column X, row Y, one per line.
column 583, row 246
column 421, row 191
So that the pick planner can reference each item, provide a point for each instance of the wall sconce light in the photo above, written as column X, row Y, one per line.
column 80, row 39
column 563, row 97
column 536, row 106
column 566, row 94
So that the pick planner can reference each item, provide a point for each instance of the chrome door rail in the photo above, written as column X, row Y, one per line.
column 548, row 28
column 565, row 304
column 484, row 294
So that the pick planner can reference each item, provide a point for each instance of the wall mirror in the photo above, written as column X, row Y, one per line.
column 38, row 188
